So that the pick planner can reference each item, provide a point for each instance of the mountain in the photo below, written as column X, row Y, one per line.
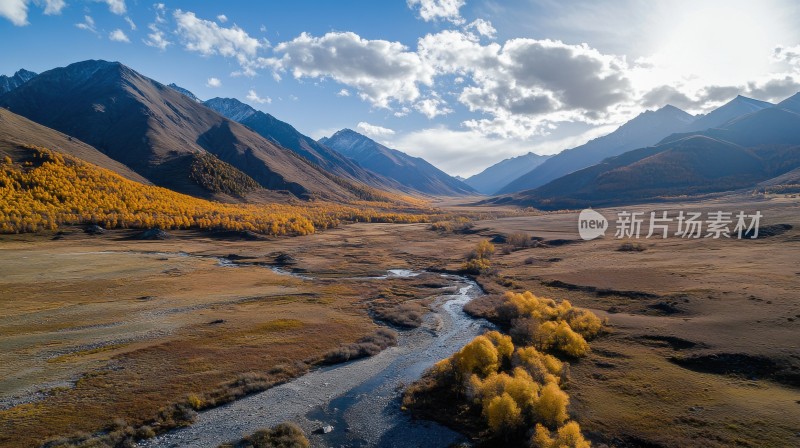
column 413, row 172
column 163, row 135
column 740, row 154
column 9, row 83
column 17, row 131
column 492, row 179
column 735, row 108
column 792, row 103
column 284, row 134
column 184, row 91
column 646, row 129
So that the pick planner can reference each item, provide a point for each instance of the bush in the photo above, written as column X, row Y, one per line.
column 284, row 435
column 407, row 315
column 542, row 367
column 476, row 266
column 366, row 346
column 559, row 337
column 484, row 249
column 519, row 240
column 567, row 436
column 502, row 414
column 479, row 356
column 631, row 247
column 551, row 408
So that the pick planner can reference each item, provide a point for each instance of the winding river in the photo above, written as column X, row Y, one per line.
column 360, row 400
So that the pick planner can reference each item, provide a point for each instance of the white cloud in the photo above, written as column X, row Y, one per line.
column 483, row 28
column 157, row 38
column 432, row 107
column 208, row 38
column 87, row 24
column 222, row 18
column 438, row 10
column 16, row 11
column 130, row 23
column 115, row 6
column 213, row 82
column 118, row 36
column 381, row 71
column 374, row 131
column 253, row 97
column 343, row 92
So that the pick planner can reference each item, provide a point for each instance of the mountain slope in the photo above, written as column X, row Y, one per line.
column 17, row 131
column 156, row 130
column 497, row 176
column 9, row 83
column 792, row 103
column 743, row 152
column 733, row 109
column 646, row 129
column 184, row 91
column 284, row 134
column 413, row 172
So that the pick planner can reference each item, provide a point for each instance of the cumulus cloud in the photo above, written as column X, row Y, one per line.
column 118, row 36
column 380, row 70
column 253, row 97
column 208, row 38
column 156, row 38
column 16, row 11
column 222, row 18
column 374, row 131
column 213, row 82
column 483, row 28
column 432, row 107
column 130, row 23
column 87, row 24
column 343, row 92
column 431, row 10
column 115, row 6
column 787, row 54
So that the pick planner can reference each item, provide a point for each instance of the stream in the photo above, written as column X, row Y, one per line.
column 360, row 399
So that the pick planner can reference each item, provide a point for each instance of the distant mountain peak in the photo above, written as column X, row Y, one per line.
column 9, row 83
column 231, row 108
column 186, row 92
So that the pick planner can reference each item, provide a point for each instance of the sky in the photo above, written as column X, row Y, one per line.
column 462, row 83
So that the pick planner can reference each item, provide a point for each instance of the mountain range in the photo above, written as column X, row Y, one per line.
column 497, row 176
column 414, row 172
column 741, row 153
column 160, row 133
column 646, row 129
column 9, row 83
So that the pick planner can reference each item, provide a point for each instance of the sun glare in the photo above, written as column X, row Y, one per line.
column 723, row 45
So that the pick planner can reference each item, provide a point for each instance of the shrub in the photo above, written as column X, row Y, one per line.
column 631, row 247
column 479, row 356
column 284, row 435
column 519, row 240
column 476, row 266
column 195, row 401
column 484, row 249
column 542, row 367
column 502, row 343
column 559, row 337
column 502, row 414
column 366, row 346
column 407, row 315
column 551, row 408
column 567, row 436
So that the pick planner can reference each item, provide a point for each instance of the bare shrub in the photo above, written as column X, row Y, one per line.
column 519, row 240
column 407, row 315
column 631, row 247
column 367, row 346
column 283, row 435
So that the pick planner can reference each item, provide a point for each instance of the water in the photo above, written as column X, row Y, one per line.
column 360, row 399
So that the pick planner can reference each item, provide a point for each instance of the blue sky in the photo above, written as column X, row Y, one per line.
column 463, row 83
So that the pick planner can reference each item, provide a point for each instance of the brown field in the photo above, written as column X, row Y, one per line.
column 118, row 328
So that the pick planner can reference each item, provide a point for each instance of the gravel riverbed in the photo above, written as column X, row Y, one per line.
column 359, row 399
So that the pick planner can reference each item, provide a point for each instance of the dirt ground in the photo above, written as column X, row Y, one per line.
column 703, row 347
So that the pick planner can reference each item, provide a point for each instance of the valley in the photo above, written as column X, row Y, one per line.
column 116, row 349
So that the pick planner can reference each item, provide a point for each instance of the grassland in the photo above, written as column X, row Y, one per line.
column 118, row 328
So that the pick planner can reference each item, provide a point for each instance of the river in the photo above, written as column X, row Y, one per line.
column 359, row 399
